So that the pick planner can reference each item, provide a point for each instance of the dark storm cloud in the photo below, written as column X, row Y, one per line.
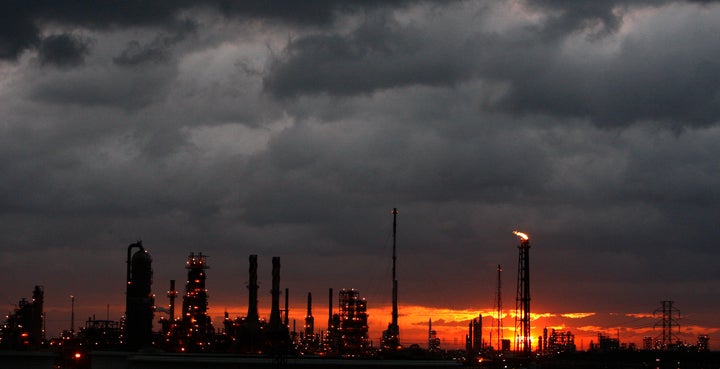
column 660, row 76
column 63, row 50
column 107, row 87
column 663, row 76
column 20, row 21
column 312, row 12
column 472, row 118
column 309, row 169
column 17, row 33
column 378, row 54
column 134, row 54
column 598, row 17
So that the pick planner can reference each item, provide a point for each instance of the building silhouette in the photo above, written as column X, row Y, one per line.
column 23, row 328
column 139, row 299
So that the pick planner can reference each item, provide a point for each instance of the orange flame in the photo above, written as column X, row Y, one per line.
column 521, row 235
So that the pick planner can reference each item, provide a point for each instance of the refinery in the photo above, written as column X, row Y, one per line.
column 187, row 336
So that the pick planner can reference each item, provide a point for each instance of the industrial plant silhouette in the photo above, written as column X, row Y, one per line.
column 191, row 330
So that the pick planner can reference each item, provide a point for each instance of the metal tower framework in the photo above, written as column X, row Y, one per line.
column 669, row 319
column 498, row 306
column 394, row 277
column 522, row 301
column 391, row 337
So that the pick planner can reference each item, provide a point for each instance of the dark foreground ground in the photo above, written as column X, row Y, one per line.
column 127, row 360
column 619, row 360
column 582, row 360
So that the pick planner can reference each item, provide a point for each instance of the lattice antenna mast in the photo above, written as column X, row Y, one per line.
column 669, row 319
column 391, row 337
column 522, row 301
column 394, row 277
column 498, row 306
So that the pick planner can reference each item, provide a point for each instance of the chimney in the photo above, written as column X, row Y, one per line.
column 309, row 319
column 252, row 315
column 275, row 321
column 287, row 308
column 330, row 325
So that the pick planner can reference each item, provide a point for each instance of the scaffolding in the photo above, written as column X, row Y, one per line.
column 353, row 327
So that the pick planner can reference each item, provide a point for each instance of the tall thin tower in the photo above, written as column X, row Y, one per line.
column 498, row 305
column 522, row 301
column 309, row 319
column 394, row 276
column 391, row 337
column 253, row 317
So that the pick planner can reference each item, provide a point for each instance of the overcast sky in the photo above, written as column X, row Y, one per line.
column 292, row 128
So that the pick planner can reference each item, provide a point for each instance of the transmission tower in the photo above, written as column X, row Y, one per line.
column 522, row 301
column 670, row 317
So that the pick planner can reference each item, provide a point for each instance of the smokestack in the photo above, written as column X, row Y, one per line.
column 287, row 307
column 252, row 315
column 309, row 304
column 330, row 310
column 275, row 321
column 309, row 319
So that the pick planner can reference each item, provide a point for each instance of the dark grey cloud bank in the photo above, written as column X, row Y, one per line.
column 292, row 128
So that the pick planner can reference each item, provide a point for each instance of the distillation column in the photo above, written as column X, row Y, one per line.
column 522, row 302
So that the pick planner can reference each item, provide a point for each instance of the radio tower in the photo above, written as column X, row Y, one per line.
column 391, row 337
column 498, row 305
column 522, row 301
column 667, row 322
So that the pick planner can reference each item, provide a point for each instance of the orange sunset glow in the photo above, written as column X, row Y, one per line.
column 452, row 324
